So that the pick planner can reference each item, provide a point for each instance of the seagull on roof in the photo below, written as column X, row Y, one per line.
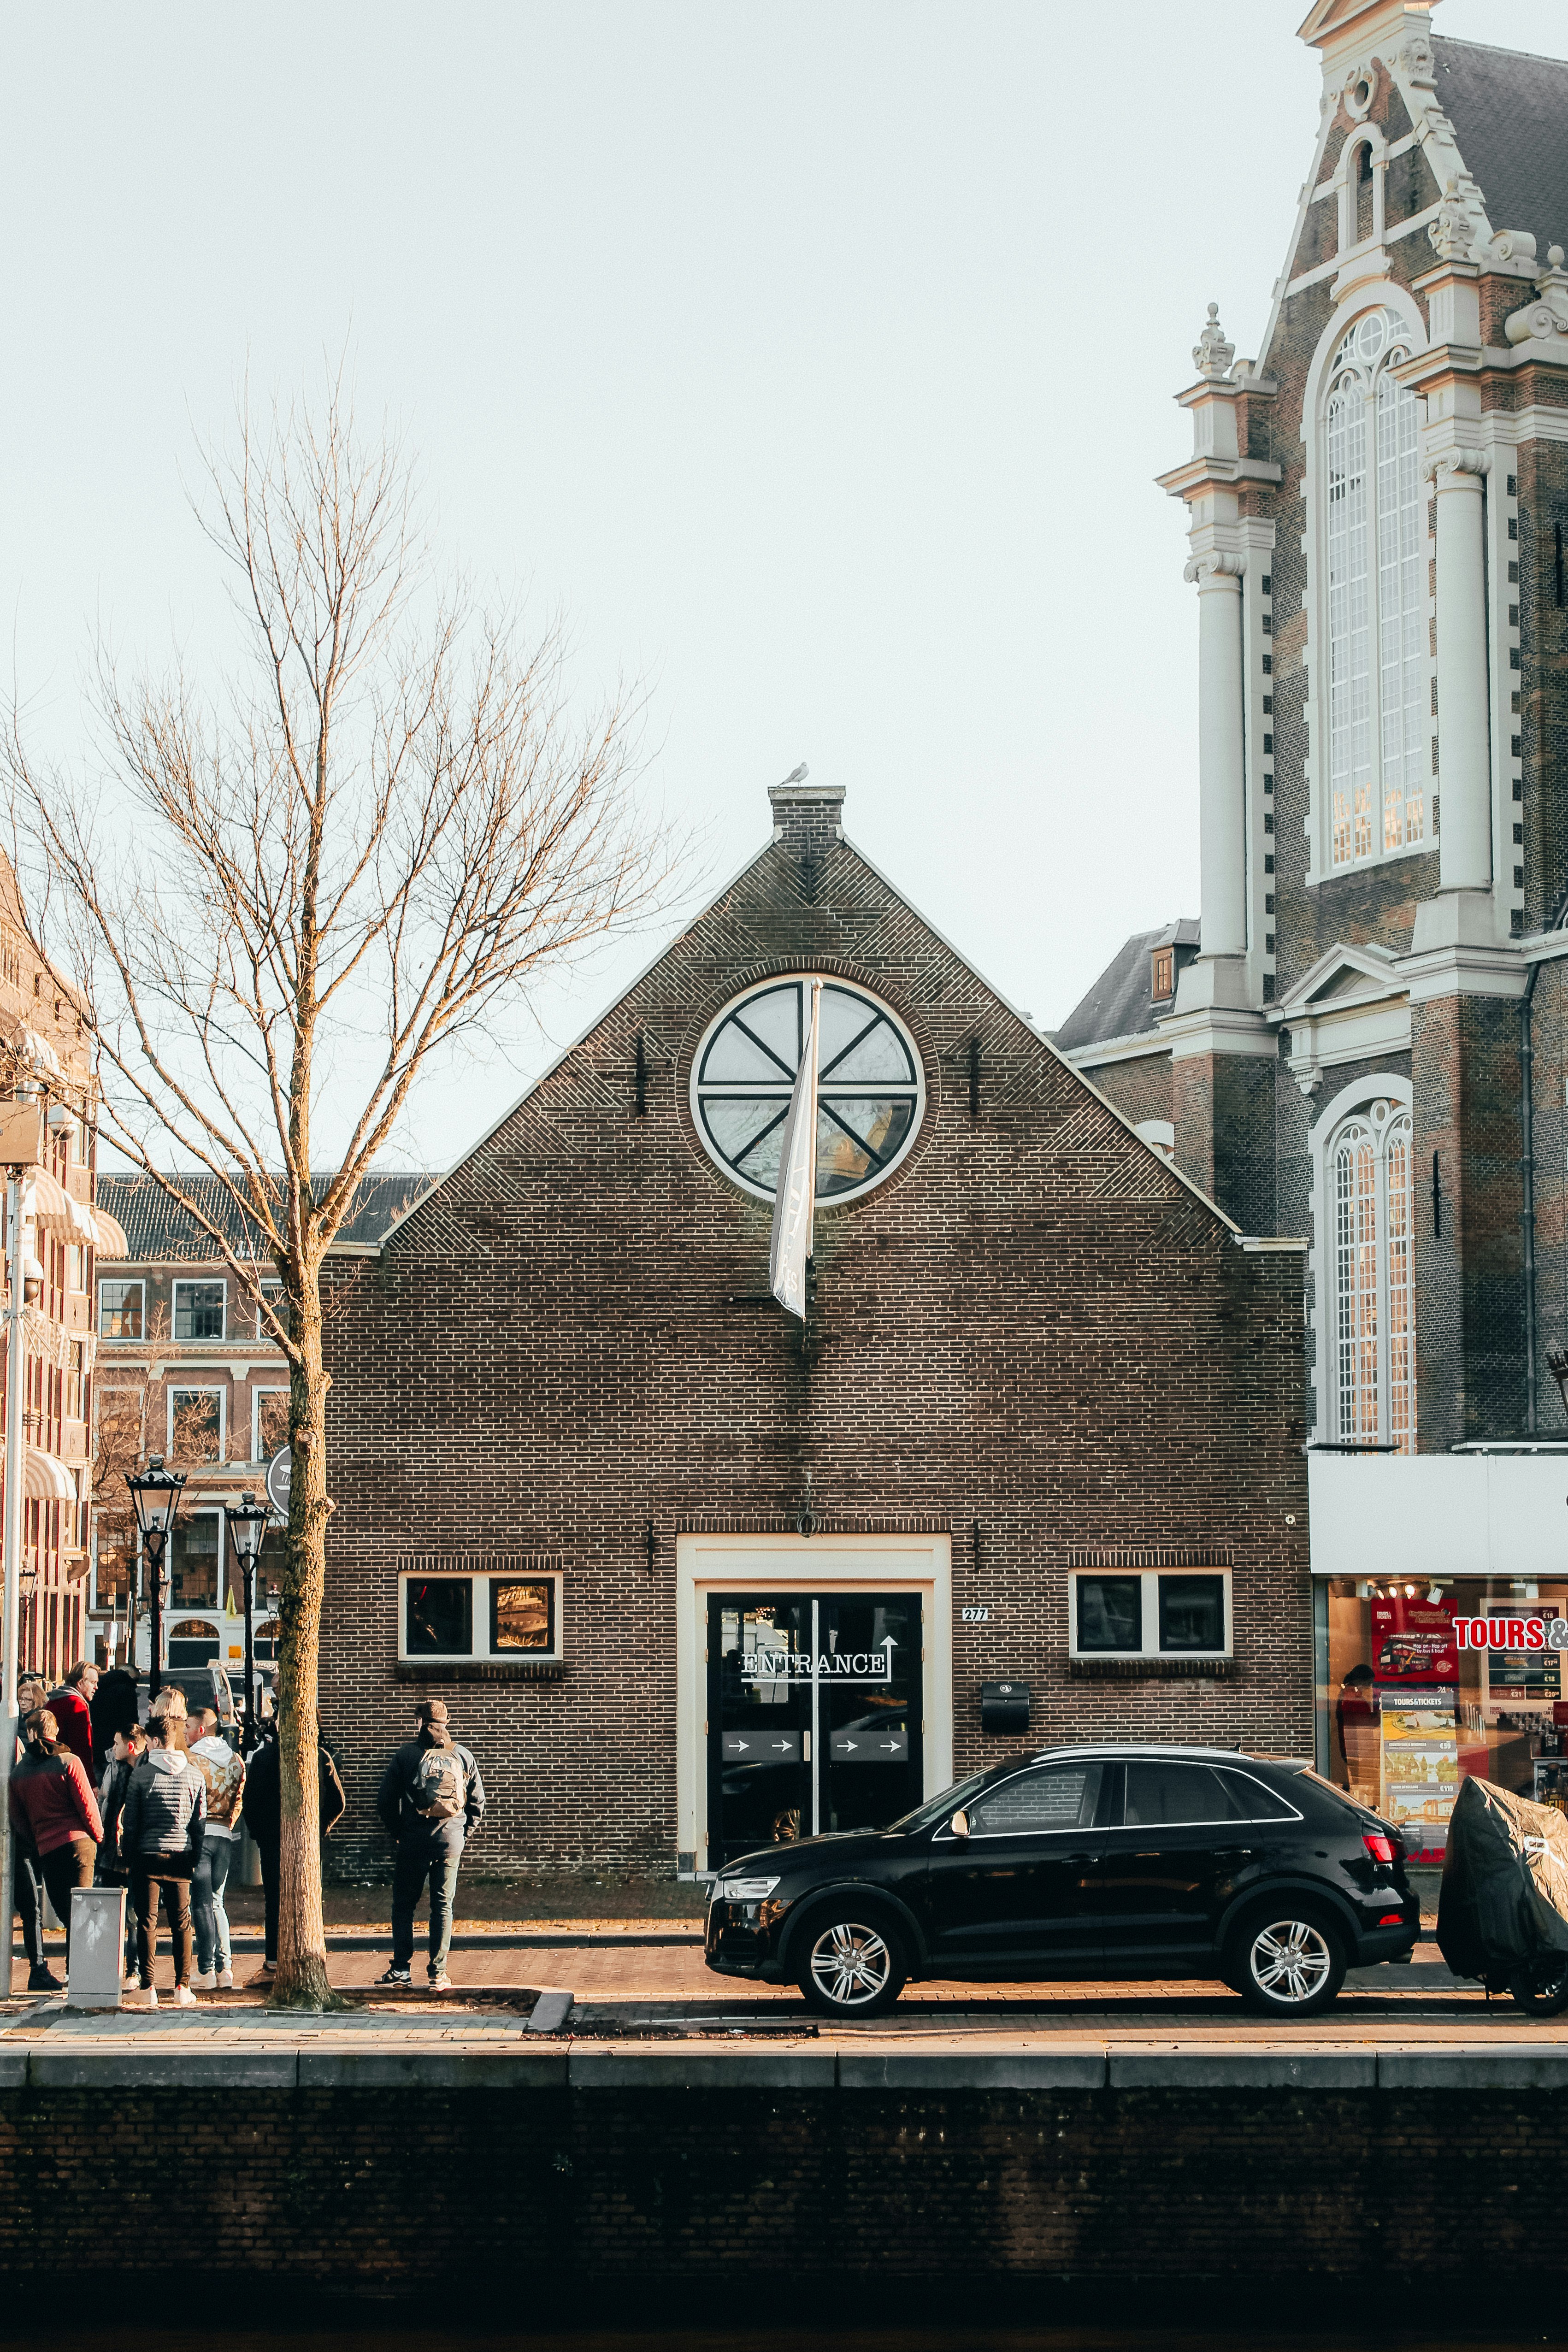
column 798, row 775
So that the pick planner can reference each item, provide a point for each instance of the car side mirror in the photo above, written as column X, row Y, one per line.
column 959, row 1825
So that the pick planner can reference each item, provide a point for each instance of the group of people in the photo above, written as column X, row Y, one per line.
column 160, row 1812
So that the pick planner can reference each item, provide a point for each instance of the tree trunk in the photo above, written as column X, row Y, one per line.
column 302, row 1979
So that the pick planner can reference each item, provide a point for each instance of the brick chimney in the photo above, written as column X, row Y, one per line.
column 806, row 817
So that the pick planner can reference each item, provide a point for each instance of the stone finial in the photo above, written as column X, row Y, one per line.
column 1453, row 233
column 1211, row 356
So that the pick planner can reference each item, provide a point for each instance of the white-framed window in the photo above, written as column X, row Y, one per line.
column 195, row 1562
column 200, row 1310
column 121, row 1310
column 196, row 1431
column 1166, row 1612
column 492, row 1619
column 1367, row 1263
column 1375, row 537
column 268, row 1423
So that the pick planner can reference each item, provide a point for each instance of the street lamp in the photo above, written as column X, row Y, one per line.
column 246, row 1526
column 156, row 1494
column 1557, row 1359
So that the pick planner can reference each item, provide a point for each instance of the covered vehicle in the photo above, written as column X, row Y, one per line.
column 1503, row 1912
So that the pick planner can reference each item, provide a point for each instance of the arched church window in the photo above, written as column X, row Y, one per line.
column 871, row 1087
column 194, row 1643
column 1371, row 1318
column 1379, row 715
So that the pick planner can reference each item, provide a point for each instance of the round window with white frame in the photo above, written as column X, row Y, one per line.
column 870, row 1086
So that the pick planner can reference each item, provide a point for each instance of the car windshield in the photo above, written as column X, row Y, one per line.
column 943, row 1808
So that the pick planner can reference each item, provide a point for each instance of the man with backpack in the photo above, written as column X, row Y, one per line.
column 431, row 1798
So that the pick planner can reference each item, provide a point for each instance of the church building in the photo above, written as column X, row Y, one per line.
column 694, row 1576
column 1365, row 1044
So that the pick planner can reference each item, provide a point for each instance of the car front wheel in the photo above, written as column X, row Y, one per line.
column 1287, row 1963
column 852, row 1966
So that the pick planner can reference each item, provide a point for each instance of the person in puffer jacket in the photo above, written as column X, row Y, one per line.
column 161, row 1824
column 52, row 1805
column 223, row 1774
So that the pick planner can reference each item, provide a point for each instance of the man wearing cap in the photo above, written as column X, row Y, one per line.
column 431, row 1799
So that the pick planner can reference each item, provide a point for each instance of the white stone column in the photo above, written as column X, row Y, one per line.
column 1464, row 718
column 1222, row 765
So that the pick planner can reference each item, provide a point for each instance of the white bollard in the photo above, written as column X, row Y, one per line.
column 98, row 1948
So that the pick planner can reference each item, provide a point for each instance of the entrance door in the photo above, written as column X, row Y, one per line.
column 814, row 1715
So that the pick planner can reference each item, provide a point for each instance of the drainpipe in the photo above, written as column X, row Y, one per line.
column 1527, row 1210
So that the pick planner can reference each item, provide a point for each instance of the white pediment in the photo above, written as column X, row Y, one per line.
column 1345, row 975
column 1351, row 1006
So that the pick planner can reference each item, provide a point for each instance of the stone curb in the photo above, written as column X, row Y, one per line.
column 1484, row 2067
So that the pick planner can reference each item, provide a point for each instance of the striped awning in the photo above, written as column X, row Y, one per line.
column 61, row 1216
column 46, row 1479
column 111, row 1241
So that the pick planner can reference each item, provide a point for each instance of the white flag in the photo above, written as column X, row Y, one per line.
column 794, row 1202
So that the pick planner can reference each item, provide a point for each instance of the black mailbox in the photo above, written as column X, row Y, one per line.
column 1004, row 1706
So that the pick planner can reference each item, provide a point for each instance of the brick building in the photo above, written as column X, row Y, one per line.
column 690, row 1580
column 188, row 1369
column 1369, row 1046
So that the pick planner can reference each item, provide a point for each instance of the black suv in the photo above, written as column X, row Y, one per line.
column 1082, row 1862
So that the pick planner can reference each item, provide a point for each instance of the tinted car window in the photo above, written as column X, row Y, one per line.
column 1162, row 1795
column 1254, row 1800
column 1062, row 1798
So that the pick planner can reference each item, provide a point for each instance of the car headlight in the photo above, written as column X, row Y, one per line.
column 744, row 1890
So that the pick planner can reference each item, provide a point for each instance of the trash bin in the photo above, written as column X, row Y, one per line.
column 98, row 1948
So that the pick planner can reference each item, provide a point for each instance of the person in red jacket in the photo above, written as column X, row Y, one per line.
column 53, row 1806
column 71, row 1706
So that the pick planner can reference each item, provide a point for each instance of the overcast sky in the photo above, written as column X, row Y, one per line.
column 817, row 358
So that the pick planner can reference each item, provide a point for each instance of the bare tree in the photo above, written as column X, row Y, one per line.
column 364, row 845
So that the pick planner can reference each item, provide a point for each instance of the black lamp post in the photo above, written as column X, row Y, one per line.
column 1557, row 1359
column 156, row 1494
column 246, row 1526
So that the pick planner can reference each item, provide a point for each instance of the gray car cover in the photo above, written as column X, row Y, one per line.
column 1505, row 1882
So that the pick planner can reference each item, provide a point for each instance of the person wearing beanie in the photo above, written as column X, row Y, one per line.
column 430, row 1801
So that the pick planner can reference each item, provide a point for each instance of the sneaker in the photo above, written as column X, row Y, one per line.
column 225, row 1978
column 143, row 1997
column 266, row 1972
column 43, row 1980
column 395, row 1976
column 205, row 1982
column 183, row 1997
column 440, row 1981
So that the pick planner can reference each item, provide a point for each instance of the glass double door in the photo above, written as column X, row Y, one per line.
column 814, row 1715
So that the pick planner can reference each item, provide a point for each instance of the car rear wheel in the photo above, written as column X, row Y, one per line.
column 1287, row 1961
column 852, row 1964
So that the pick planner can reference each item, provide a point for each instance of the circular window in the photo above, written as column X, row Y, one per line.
column 870, row 1086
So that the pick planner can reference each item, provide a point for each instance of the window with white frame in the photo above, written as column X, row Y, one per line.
column 195, row 1425
column 1379, row 730
column 490, row 1619
column 1371, row 1322
column 121, row 1310
column 268, row 1423
column 199, row 1310
column 1150, row 1612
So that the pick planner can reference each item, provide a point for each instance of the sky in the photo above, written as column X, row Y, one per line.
column 814, row 359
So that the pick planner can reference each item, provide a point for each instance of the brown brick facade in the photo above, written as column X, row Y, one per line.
column 1032, row 1337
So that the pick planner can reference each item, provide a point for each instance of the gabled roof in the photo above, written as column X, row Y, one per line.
column 1509, row 113
column 159, row 1232
column 1119, row 1003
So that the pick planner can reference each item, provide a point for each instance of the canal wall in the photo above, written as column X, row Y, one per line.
column 584, row 2171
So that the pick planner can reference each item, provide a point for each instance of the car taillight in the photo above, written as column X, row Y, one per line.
column 1378, row 1845
column 1390, row 1919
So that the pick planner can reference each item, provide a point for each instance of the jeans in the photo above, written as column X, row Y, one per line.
column 68, row 1867
column 207, row 1883
column 418, row 1859
column 30, row 1903
column 149, row 1876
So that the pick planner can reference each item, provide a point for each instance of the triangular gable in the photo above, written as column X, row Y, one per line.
column 1120, row 1171
column 1345, row 975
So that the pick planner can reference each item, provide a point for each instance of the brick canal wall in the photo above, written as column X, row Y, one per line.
column 613, row 2172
